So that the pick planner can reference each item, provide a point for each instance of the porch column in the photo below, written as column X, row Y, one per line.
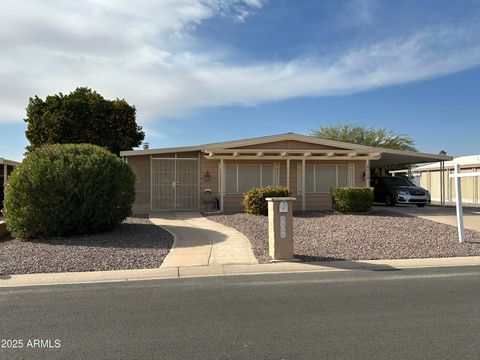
column 222, row 184
column 288, row 175
column 367, row 173
column 5, row 175
column 304, row 206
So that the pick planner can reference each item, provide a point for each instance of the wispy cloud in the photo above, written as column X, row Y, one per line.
column 142, row 51
column 357, row 13
column 153, row 134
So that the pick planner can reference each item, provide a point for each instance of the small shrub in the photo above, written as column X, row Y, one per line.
column 351, row 199
column 68, row 189
column 254, row 199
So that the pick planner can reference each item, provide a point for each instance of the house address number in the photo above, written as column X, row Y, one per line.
column 283, row 227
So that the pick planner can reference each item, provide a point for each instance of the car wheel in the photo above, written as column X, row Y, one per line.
column 389, row 200
column 421, row 205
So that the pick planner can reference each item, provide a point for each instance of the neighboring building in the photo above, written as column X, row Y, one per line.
column 430, row 179
column 6, row 168
column 187, row 178
column 412, row 174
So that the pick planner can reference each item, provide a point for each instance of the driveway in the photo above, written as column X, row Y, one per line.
column 446, row 215
column 202, row 242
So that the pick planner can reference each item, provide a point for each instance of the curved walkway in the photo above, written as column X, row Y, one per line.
column 202, row 242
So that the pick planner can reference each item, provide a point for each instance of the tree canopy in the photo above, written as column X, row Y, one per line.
column 83, row 116
column 362, row 135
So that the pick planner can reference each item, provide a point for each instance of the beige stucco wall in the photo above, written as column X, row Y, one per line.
column 141, row 168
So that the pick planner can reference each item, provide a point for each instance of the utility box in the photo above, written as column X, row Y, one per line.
column 280, row 227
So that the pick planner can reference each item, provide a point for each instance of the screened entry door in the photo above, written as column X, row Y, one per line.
column 174, row 184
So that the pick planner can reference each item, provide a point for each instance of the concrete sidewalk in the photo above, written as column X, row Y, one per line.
column 227, row 270
column 446, row 215
column 202, row 242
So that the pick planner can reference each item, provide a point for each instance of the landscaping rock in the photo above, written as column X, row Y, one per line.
column 135, row 244
column 327, row 236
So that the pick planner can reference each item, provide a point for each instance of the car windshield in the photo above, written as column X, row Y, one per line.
column 397, row 181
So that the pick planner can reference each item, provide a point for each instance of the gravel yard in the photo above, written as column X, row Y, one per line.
column 377, row 235
column 135, row 244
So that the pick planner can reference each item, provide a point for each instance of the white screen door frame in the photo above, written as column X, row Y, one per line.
column 174, row 183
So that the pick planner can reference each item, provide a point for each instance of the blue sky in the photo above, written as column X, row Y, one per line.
column 210, row 70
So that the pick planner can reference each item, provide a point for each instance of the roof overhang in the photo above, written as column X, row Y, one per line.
column 8, row 162
column 248, row 142
column 231, row 149
column 392, row 157
column 278, row 154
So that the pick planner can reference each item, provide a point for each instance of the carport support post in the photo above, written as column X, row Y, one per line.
column 458, row 202
column 442, row 181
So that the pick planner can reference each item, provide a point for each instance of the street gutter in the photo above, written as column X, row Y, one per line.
column 230, row 269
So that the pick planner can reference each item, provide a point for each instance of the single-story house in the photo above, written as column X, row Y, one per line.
column 430, row 175
column 194, row 177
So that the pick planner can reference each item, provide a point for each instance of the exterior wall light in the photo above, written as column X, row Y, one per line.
column 206, row 177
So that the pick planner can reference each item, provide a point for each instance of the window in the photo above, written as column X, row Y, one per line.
column 320, row 178
column 241, row 178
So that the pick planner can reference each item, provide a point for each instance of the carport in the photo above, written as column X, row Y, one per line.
column 391, row 157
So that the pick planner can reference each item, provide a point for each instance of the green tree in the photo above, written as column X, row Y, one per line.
column 83, row 116
column 362, row 135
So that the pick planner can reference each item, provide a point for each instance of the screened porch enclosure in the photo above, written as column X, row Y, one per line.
column 175, row 184
column 320, row 178
column 242, row 177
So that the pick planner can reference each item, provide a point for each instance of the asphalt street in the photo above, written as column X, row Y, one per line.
column 406, row 314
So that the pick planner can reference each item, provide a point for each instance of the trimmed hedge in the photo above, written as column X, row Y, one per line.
column 351, row 199
column 254, row 199
column 68, row 189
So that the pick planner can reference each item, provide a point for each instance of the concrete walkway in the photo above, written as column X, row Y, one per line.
column 202, row 242
column 446, row 215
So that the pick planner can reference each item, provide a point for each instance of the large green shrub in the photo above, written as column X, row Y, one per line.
column 68, row 189
column 254, row 199
column 351, row 199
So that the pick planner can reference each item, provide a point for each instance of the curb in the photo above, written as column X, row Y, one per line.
column 229, row 270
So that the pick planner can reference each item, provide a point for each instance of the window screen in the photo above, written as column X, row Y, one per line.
column 267, row 175
column 342, row 176
column 325, row 178
column 231, row 179
column 309, row 178
column 241, row 178
column 320, row 178
column 248, row 177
